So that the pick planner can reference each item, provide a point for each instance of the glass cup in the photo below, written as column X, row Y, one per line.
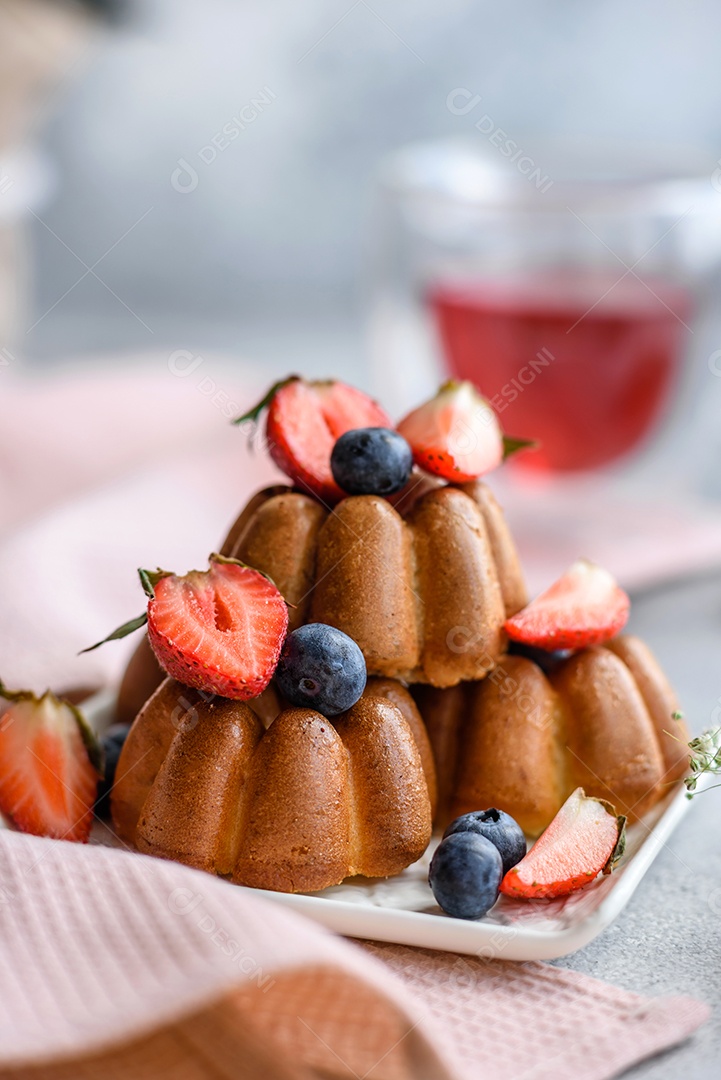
column 564, row 281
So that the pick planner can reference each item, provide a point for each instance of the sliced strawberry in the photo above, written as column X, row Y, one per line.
column 220, row 630
column 584, row 607
column 304, row 421
column 50, row 766
column 454, row 435
column 584, row 839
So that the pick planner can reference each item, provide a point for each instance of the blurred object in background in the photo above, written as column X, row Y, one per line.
column 564, row 280
column 40, row 41
column 263, row 256
column 578, row 286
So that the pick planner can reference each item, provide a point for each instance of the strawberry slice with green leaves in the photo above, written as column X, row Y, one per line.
column 50, row 766
column 219, row 630
column 456, row 435
column 304, row 421
column 585, row 838
column 584, row 607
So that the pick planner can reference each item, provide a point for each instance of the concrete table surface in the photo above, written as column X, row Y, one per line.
column 668, row 939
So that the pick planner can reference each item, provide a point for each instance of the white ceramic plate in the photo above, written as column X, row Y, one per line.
column 402, row 909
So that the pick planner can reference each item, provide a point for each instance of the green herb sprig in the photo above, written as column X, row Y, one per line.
column 704, row 760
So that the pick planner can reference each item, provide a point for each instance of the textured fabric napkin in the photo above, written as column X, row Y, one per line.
column 117, row 965
column 114, row 965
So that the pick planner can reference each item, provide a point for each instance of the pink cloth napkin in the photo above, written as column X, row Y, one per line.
column 102, row 948
column 100, row 475
column 116, row 965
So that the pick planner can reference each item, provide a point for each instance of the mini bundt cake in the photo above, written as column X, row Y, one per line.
column 522, row 740
column 424, row 586
column 298, row 806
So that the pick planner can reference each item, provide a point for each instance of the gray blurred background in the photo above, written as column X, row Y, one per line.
column 266, row 255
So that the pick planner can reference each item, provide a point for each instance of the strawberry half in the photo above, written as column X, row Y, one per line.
column 304, row 421
column 584, row 607
column 455, row 435
column 50, row 766
column 219, row 630
column 584, row 839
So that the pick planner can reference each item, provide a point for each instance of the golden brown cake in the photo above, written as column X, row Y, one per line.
column 522, row 740
column 298, row 806
column 399, row 696
column 424, row 586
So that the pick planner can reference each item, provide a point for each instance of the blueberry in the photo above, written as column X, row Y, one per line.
column 498, row 827
column 545, row 660
column 465, row 875
column 371, row 461
column 112, row 742
column 321, row 668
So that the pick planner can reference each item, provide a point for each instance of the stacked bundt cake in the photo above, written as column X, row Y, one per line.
column 424, row 586
column 523, row 739
column 426, row 580
column 296, row 807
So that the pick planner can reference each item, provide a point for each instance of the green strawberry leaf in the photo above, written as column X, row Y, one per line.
column 512, row 445
column 121, row 632
column 254, row 413
column 90, row 740
column 16, row 696
column 620, row 845
column 150, row 578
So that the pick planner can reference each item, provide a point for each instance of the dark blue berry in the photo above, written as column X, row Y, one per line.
column 371, row 461
column 112, row 742
column 321, row 668
column 498, row 827
column 465, row 875
column 545, row 660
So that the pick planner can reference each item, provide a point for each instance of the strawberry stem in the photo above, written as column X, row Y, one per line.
column 254, row 413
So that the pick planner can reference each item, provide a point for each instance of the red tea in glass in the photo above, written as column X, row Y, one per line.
column 578, row 362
